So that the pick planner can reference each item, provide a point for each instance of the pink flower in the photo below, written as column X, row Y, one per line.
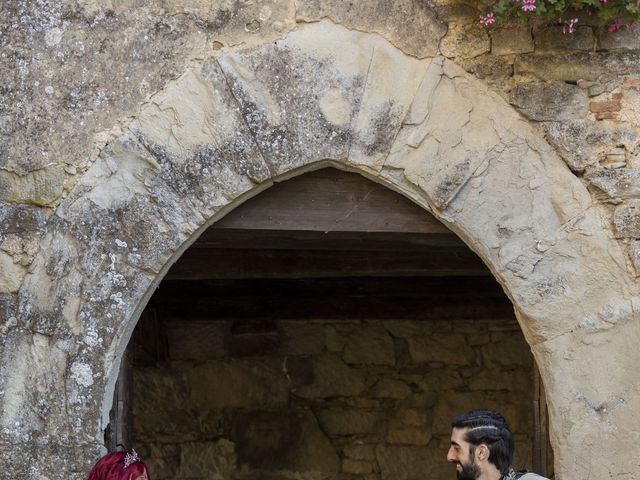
column 488, row 19
column 570, row 26
column 528, row 5
column 615, row 26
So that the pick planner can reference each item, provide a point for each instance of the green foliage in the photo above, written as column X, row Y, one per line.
column 616, row 13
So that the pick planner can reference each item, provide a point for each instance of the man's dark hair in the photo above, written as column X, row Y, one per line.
column 490, row 428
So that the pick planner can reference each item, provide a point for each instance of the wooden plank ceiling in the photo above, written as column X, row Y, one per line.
column 327, row 224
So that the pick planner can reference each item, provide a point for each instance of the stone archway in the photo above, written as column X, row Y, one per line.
column 229, row 127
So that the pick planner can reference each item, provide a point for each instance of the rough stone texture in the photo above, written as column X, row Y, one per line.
column 411, row 463
column 616, row 182
column 122, row 197
column 549, row 101
column 583, row 143
column 622, row 39
column 465, row 41
column 554, row 39
column 325, row 376
column 370, row 347
column 627, row 219
column 419, row 37
column 574, row 66
column 283, row 440
column 319, row 435
column 246, row 385
column 507, row 41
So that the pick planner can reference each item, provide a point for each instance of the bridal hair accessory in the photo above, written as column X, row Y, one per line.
column 131, row 457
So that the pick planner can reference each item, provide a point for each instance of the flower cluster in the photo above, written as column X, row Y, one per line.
column 615, row 13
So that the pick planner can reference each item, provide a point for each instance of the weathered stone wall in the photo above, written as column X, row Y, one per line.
column 368, row 400
column 127, row 126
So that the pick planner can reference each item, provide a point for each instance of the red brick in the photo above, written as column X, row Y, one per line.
column 631, row 82
column 616, row 96
column 605, row 106
column 606, row 116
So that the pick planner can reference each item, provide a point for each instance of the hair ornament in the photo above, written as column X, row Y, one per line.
column 131, row 457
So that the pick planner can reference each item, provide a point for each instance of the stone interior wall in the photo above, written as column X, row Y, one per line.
column 312, row 399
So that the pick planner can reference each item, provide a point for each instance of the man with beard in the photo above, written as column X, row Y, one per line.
column 482, row 448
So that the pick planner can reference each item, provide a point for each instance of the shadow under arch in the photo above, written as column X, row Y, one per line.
column 325, row 95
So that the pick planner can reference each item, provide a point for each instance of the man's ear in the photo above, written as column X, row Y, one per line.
column 482, row 452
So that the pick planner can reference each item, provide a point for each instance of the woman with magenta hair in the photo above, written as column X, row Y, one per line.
column 120, row 466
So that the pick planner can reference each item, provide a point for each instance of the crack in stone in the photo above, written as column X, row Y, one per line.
column 267, row 163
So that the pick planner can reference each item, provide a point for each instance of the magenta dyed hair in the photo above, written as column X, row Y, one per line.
column 111, row 467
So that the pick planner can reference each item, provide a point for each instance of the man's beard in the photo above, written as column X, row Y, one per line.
column 470, row 471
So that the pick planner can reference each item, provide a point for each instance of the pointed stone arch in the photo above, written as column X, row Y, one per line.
column 231, row 126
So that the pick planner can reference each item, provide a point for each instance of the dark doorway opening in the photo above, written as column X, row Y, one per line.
column 328, row 328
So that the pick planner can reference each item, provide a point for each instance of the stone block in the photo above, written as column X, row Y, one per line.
column 197, row 340
column 341, row 421
column 412, row 462
column 211, row 459
column 445, row 378
column 301, row 338
column 11, row 274
column 360, row 451
column 450, row 349
column 616, row 182
column 634, row 253
column 626, row 219
column 508, row 351
column 408, row 436
column 21, row 219
column 584, row 143
column 253, row 344
column 622, row 39
column 335, row 340
column 322, row 377
column 42, row 187
column 509, row 41
column 574, row 66
column 554, row 39
column 465, row 41
column 415, row 417
column 489, row 67
column 369, row 347
column 356, row 467
column 418, row 37
column 605, row 106
column 283, row 440
column 238, row 384
column 554, row 101
column 404, row 328
column 513, row 380
column 390, row 388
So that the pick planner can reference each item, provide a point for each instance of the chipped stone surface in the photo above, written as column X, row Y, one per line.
column 465, row 41
column 418, row 37
column 507, row 41
column 554, row 39
column 568, row 139
column 550, row 101
column 446, row 101
column 285, row 95
column 616, row 182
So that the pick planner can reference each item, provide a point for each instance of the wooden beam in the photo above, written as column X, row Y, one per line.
column 331, row 200
column 420, row 298
column 205, row 263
